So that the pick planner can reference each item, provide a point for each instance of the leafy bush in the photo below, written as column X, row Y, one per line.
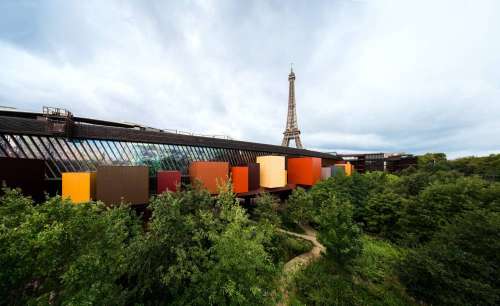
column 460, row 266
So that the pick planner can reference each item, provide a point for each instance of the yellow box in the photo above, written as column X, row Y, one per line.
column 349, row 169
column 79, row 187
column 272, row 171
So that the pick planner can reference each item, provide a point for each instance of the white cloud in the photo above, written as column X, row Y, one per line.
column 371, row 75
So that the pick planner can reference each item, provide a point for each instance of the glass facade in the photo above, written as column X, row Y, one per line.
column 68, row 155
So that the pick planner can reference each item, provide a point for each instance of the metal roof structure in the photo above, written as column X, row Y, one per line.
column 70, row 143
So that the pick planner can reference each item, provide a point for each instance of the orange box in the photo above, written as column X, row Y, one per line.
column 79, row 187
column 210, row 174
column 239, row 176
column 304, row 170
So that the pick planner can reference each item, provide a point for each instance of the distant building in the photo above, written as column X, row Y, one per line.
column 388, row 162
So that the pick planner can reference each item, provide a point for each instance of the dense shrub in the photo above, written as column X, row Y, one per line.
column 460, row 266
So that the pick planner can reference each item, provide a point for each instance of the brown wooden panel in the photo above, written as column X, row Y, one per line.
column 127, row 183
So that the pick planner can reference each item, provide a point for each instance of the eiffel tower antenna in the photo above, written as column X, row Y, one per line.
column 292, row 131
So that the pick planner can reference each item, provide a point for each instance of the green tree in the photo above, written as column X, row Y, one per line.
column 488, row 167
column 63, row 253
column 354, row 189
column 382, row 214
column 338, row 232
column 460, row 264
column 433, row 162
column 210, row 254
column 300, row 206
column 438, row 203
column 174, row 253
column 339, row 187
column 266, row 209
column 241, row 272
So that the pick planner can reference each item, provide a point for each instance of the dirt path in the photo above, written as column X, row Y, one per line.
column 304, row 259
column 299, row 262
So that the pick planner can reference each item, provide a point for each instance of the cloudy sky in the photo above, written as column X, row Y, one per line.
column 391, row 76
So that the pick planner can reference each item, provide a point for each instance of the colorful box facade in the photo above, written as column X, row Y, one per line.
column 304, row 170
column 326, row 172
column 240, row 178
column 344, row 169
column 349, row 169
column 338, row 170
column 129, row 184
column 272, row 171
column 253, row 176
column 167, row 181
column 79, row 187
column 210, row 174
column 23, row 173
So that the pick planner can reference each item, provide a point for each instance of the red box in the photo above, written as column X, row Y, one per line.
column 239, row 176
column 304, row 170
column 167, row 181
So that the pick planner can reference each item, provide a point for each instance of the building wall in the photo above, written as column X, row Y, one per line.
column 64, row 155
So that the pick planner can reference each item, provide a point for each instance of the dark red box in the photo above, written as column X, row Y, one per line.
column 253, row 176
column 167, row 181
column 26, row 174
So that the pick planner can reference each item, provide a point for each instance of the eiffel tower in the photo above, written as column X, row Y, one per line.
column 292, row 131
